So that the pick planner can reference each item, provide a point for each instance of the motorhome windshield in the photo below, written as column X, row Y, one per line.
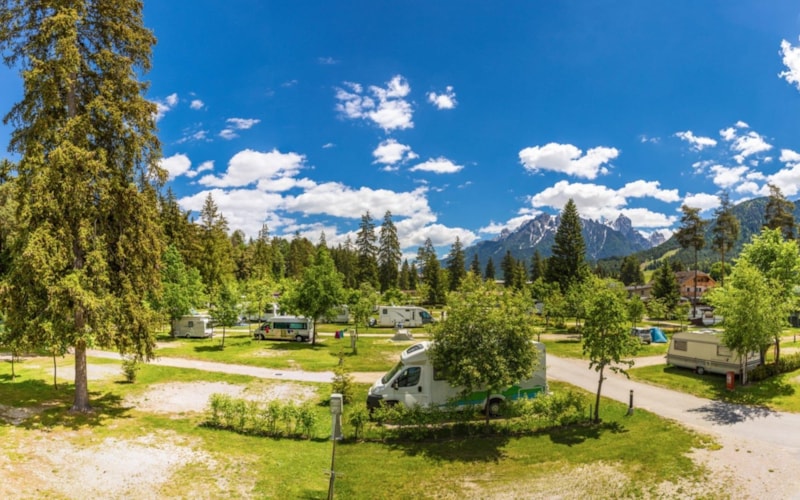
column 391, row 373
column 425, row 315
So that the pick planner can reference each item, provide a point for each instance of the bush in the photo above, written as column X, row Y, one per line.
column 130, row 367
column 342, row 381
column 261, row 418
column 785, row 364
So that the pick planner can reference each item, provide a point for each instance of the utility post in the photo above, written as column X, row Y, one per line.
column 337, row 408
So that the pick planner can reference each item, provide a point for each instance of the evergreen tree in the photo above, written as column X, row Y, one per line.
column 509, row 267
column 182, row 287
column 567, row 264
column 630, row 271
column 779, row 213
column 489, row 274
column 88, row 244
column 433, row 279
column 475, row 266
column 725, row 230
column 456, row 265
column 300, row 256
column 240, row 255
column 216, row 262
column 413, row 276
column 389, row 254
column 665, row 287
column 345, row 259
column 537, row 266
column 424, row 253
column 404, row 281
column 367, row 252
column 691, row 234
column 261, row 255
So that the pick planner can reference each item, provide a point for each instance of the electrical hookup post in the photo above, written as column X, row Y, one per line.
column 337, row 408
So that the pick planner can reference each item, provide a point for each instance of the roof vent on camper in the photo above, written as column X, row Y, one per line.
column 414, row 348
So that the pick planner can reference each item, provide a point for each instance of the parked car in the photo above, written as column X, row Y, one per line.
column 643, row 334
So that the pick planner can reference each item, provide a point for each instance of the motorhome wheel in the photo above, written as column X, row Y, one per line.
column 700, row 370
column 494, row 407
column 299, row 338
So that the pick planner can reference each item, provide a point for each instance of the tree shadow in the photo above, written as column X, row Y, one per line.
column 40, row 405
column 209, row 348
column 477, row 449
column 578, row 434
column 724, row 413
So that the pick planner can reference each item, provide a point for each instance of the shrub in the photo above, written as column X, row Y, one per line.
column 342, row 381
column 358, row 419
column 130, row 367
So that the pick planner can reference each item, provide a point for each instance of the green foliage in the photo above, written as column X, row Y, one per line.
column 182, row 287
column 725, row 231
column 367, row 251
column 273, row 418
column 779, row 213
column 606, row 339
column 567, row 264
column 389, row 254
column 342, row 381
column 456, row 265
column 130, row 368
column 785, row 364
column 485, row 340
column 666, row 288
column 225, row 309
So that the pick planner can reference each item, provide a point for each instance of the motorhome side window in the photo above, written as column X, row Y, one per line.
column 723, row 351
column 191, row 324
column 680, row 345
column 410, row 377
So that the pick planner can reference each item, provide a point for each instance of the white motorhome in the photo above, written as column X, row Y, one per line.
column 403, row 316
column 193, row 326
column 342, row 315
column 704, row 351
column 270, row 311
column 415, row 381
column 285, row 328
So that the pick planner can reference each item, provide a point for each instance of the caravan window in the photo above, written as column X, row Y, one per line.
column 680, row 345
column 410, row 377
column 289, row 325
column 723, row 351
column 191, row 324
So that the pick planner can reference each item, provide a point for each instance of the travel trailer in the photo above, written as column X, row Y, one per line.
column 270, row 311
column 193, row 326
column 704, row 351
column 414, row 381
column 403, row 316
column 295, row 328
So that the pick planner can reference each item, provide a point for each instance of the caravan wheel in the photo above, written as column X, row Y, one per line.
column 494, row 407
column 700, row 370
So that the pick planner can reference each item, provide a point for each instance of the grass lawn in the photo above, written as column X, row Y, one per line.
column 632, row 454
column 374, row 353
column 570, row 346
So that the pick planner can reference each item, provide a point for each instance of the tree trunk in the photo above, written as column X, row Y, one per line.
column 81, row 403
column 777, row 350
column 55, row 372
column 597, row 397
column 223, row 336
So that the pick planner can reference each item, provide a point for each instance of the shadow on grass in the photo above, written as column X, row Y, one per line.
column 723, row 413
column 209, row 348
column 578, row 434
column 45, row 406
column 478, row 449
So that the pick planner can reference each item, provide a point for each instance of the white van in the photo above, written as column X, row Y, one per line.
column 403, row 316
column 414, row 381
column 193, row 326
column 285, row 328
column 704, row 351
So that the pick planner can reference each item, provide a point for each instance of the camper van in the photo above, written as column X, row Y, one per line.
column 414, row 381
column 285, row 328
column 704, row 351
column 193, row 326
column 270, row 311
column 403, row 316
column 340, row 314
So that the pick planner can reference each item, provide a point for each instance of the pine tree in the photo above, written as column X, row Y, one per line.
column 726, row 231
column 456, row 265
column 475, row 266
column 490, row 274
column 262, row 255
column 567, row 264
column 367, row 251
column 301, row 255
column 216, row 261
column 630, row 272
column 413, row 276
column 404, row 281
column 691, row 234
column 88, row 243
column 389, row 254
column 665, row 287
column 424, row 253
column 779, row 213
column 537, row 266
column 509, row 267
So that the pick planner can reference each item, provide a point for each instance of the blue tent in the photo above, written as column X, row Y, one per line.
column 658, row 335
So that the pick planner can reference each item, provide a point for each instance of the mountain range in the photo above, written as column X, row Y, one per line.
column 613, row 240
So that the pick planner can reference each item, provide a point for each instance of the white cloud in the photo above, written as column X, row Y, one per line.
column 642, row 217
column 640, row 189
column 234, row 124
column 446, row 100
column 327, row 61
column 386, row 107
column 196, row 104
column 788, row 179
column 200, row 135
column 176, row 165
column 747, row 187
column 567, row 159
column 702, row 201
column 726, row 177
column 248, row 167
column 391, row 152
column 652, row 140
column 789, row 156
column 439, row 165
column 791, row 59
column 701, row 165
column 165, row 105
column 744, row 145
column 238, row 207
column 510, row 224
column 328, row 145
column 697, row 143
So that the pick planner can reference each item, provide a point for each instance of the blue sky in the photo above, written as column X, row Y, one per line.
column 464, row 118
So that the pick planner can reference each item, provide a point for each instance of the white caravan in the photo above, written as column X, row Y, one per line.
column 403, row 316
column 414, row 381
column 195, row 326
column 285, row 328
column 270, row 311
column 704, row 351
